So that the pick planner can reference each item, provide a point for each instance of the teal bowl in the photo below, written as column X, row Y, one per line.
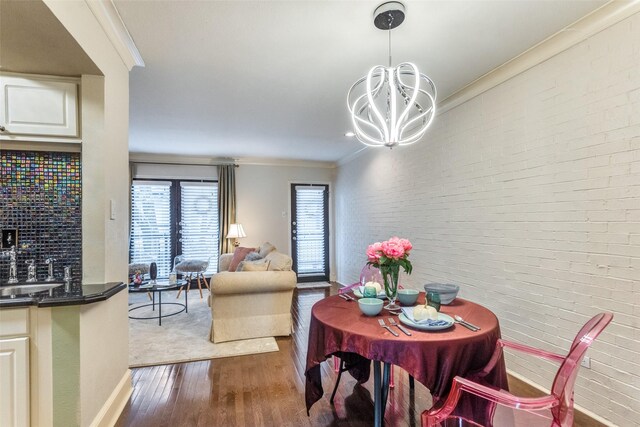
column 370, row 306
column 408, row 296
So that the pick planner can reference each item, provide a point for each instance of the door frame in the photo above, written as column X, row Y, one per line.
column 327, row 242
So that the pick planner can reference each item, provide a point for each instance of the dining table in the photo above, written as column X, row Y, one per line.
column 432, row 357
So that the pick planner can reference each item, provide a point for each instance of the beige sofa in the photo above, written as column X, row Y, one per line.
column 252, row 304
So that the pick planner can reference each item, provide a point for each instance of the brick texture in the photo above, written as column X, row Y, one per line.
column 528, row 196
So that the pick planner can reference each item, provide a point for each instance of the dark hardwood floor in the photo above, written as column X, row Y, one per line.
column 263, row 389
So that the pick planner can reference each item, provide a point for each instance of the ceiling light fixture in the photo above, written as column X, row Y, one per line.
column 391, row 106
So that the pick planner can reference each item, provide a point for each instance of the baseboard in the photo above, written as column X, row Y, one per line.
column 112, row 408
column 520, row 386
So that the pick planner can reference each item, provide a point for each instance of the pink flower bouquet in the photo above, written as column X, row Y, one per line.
column 388, row 257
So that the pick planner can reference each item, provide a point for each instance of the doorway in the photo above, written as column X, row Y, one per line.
column 310, row 231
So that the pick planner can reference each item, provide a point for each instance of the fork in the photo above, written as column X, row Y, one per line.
column 381, row 321
column 392, row 322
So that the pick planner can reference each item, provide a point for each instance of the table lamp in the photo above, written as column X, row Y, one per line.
column 236, row 232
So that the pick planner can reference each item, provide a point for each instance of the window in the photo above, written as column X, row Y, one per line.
column 169, row 218
column 310, row 231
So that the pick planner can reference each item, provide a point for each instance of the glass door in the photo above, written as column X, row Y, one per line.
column 310, row 231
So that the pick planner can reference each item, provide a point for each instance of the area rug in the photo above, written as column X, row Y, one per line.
column 183, row 337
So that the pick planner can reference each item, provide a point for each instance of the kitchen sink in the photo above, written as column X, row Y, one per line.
column 27, row 289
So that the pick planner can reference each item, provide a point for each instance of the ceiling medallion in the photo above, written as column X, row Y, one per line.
column 391, row 106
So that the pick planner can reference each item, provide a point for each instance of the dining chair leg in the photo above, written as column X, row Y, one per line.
column 412, row 382
column 335, row 388
column 392, row 383
column 205, row 281
column 199, row 285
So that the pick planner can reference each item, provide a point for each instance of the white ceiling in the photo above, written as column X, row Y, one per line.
column 268, row 79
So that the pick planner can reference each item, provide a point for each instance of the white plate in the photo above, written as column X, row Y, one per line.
column 357, row 293
column 426, row 326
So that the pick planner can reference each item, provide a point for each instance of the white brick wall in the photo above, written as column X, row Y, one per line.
column 528, row 196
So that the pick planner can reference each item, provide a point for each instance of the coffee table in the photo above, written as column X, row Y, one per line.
column 158, row 289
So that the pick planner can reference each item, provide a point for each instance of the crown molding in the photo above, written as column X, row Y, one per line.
column 350, row 157
column 605, row 16
column 214, row 161
column 111, row 22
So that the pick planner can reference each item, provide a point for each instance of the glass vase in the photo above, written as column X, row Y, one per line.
column 390, row 276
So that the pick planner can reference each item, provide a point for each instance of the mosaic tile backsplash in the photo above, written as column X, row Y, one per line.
column 41, row 197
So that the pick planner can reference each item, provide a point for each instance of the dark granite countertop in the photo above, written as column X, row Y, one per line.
column 67, row 294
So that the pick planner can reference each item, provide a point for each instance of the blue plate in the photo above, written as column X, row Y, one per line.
column 444, row 322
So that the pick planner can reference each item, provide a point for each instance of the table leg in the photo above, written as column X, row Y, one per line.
column 385, row 386
column 377, row 395
column 380, row 391
column 153, row 301
column 159, row 308
column 186, row 305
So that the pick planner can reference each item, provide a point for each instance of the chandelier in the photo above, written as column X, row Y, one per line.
column 391, row 106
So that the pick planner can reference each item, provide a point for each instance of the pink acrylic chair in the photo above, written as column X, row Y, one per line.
column 501, row 408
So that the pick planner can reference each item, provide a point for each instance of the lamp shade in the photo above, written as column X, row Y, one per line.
column 235, row 231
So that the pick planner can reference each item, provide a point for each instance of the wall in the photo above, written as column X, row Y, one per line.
column 264, row 202
column 105, row 157
column 528, row 196
column 40, row 196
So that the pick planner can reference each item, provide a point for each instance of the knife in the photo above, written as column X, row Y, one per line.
column 466, row 325
column 350, row 297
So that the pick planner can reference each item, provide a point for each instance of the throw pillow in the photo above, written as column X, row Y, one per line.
column 243, row 264
column 253, row 256
column 266, row 249
column 238, row 255
column 279, row 261
column 254, row 266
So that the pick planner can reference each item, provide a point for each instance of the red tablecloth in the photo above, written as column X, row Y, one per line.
column 433, row 358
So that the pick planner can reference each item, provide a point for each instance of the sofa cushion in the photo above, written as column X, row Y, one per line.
column 266, row 249
column 261, row 265
column 279, row 261
column 238, row 255
column 253, row 256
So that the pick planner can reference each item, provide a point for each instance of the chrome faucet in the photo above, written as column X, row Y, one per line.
column 13, row 267
column 31, row 270
column 49, row 262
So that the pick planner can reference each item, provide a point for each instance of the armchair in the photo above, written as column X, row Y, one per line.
column 553, row 410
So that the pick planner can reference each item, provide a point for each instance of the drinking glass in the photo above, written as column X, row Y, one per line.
column 433, row 299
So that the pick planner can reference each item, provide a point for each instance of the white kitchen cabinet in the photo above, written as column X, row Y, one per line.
column 39, row 106
column 14, row 382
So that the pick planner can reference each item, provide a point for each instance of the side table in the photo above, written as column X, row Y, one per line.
column 158, row 288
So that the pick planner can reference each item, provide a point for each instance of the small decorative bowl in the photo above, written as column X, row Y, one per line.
column 448, row 292
column 408, row 296
column 370, row 306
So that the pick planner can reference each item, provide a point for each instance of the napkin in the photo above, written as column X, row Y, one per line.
column 408, row 311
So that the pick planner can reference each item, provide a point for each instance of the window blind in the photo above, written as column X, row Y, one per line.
column 151, row 224
column 199, row 222
column 310, row 230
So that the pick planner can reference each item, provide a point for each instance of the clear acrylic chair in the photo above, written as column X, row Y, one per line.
column 491, row 406
column 189, row 268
